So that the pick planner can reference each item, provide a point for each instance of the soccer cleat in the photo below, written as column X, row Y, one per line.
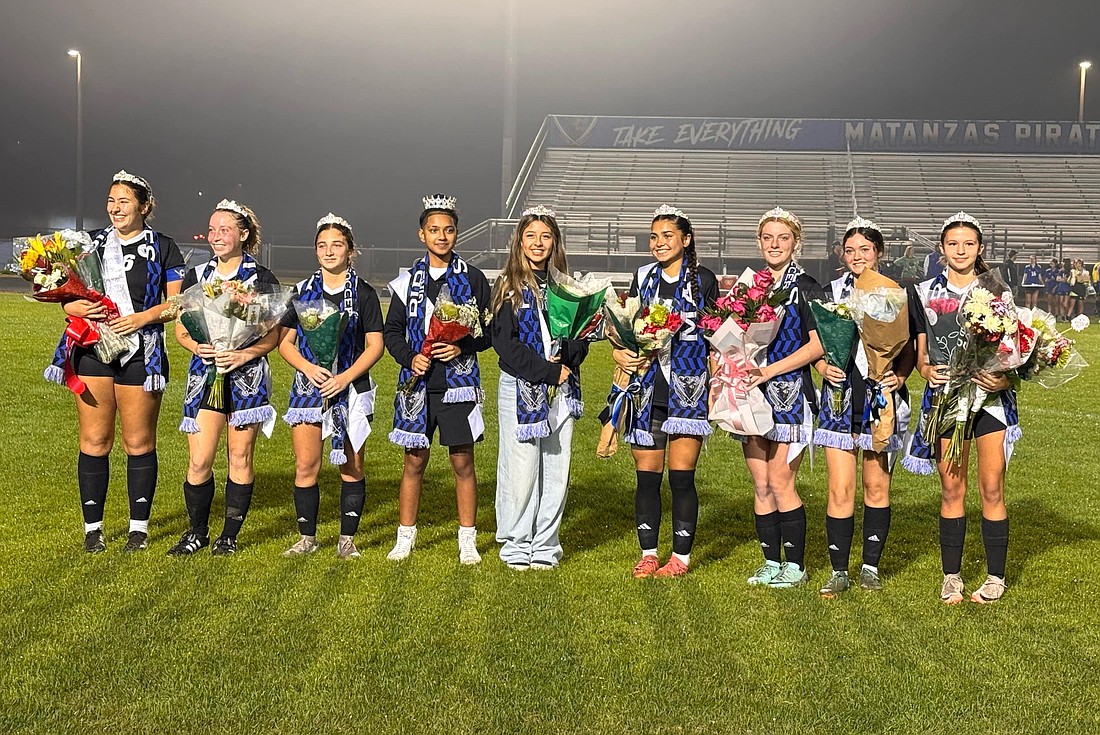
column 137, row 541
column 647, row 567
column 224, row 546
column 837, row 583
column 952, row 591
column 672, row 568
column 94, row 542
column 406, row 541
column 992, row 589
column 305, row 545
column 345, row 548
column 870, row 580
column 189, row 543
column 467, row 547
column 790, row 575
column 768, row 571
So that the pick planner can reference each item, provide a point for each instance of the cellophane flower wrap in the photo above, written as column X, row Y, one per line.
column 837, row 331
column 644, row 330
column 450, row 322
column 880, row 309
column 739, row 327
column 1055, row 360
column 62, row 268
column 993, row 340
column 323, row 326
column 574, row 306
column 230, row 315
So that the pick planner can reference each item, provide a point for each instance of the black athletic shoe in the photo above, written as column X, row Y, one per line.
column 93, row 541
column 189, row 543
column 138, row 541
column 224, row 546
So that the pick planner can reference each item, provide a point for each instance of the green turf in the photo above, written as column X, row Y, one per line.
column 259, row 643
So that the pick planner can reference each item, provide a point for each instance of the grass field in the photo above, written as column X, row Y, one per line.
column 259, row 643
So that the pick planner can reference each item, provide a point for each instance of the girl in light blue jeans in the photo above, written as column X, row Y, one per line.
column 538, row 398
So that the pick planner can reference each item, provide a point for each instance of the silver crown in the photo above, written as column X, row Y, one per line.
column 780, row 213
column 961, row 217
column 539, row 210
column 440, row 201
column 332, row 219
column 131, row 179
column 228, row 205
column 863, row 224
column 667, row 210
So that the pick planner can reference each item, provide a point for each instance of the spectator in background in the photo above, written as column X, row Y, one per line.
column 1033, row 282
column 1096, row 288
column 910, row 268
column 1079, row 284
column 933, row 264
column 1010, row 272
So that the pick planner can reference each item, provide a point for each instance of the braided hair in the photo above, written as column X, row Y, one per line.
column 691, row 258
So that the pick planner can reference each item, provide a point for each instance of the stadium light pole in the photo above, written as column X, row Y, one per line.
column 74, row 53
column 511, row 93
column 1085, row 66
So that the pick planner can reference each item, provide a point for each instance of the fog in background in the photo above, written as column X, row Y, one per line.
column 362, row 107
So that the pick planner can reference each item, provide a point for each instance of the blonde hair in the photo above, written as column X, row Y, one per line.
column 792, row 224
column 247, row 221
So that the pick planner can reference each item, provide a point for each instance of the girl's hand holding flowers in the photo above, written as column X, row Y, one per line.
column 991, row 382
column 420, row 365
column 833, row 374
column 85, row 309
column 334, row 386
column 229, row 360
column 318, row 375
column 445, row 352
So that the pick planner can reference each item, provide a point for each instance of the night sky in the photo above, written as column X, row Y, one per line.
column 362, row 107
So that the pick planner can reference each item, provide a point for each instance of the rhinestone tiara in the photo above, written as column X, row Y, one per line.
column 440, row 201
column 780, row 213
column 131, row 179
column 961, row 217
column 333, row 219
column 539, row 210
column 667, row 210
column 228, row 205
column 863, row 224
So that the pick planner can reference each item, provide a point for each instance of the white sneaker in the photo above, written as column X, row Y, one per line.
column 467, row 546
column 305, row 545
column 406, row 540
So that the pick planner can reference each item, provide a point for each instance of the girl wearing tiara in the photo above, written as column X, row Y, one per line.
column 994, row 431
column 140, row 269
column 536, row 424
column 234, row 237
column 773, row 459
column 346, row 386
column 442, row 390
column 672, row 417
column 846, row 431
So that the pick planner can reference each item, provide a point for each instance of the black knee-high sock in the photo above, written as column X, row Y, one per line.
column 92, row 476
column 792, row 525
column 141, row 484
column 198, row 499
column 767, row 530
column 353, row 495
column 647, row 508
column 238, row 496
column 952, row 536
column 995, row 537
column 839, row 532
column 876, row 526
column 685, row 509
column 306, row 502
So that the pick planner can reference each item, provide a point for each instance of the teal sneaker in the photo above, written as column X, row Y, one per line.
column 766, row 573
column 869, row 579
column 789, row 576
column 837, row 583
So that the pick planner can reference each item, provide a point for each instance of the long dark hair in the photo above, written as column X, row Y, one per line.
column 691, row 258
column 980, row 266
column 872, row 235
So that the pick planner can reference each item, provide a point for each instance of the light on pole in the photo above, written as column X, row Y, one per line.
column 1085, row 66
column 79, row 140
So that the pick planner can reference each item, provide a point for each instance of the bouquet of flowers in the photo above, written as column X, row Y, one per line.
column 230, row 315
column 1055, row 359
column 993, row 339
column 573, row 306
column 837, row 331
column 323, row 326
column 64, row 268
column 880, row 310
column 450, row 322
column 645, row 330
column 739, row 327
